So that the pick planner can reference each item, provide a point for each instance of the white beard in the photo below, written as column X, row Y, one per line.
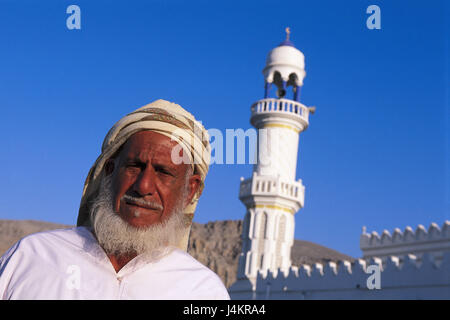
column 118, row 237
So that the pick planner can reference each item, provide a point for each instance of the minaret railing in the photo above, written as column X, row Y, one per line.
column 271, row 105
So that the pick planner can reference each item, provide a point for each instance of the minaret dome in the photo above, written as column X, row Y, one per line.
column 285, row 67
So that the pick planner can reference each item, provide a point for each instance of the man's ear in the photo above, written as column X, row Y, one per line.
column 109, row 166
column 194, row 185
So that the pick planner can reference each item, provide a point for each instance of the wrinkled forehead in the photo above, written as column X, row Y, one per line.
column 146, row 145
column 149, row 140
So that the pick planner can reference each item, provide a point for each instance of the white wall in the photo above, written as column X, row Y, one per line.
column 412, row 278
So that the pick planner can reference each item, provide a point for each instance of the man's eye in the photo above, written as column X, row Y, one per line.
column 130, row 165
column 134, row 166
column 163, row 171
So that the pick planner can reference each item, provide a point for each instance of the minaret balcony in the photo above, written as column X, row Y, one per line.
column 270, row 190
column 284, row 110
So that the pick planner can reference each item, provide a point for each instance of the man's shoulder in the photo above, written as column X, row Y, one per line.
column 39, row 241
column 36, row 266
column 72, row 235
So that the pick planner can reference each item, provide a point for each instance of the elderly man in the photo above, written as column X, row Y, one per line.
column 134, row 220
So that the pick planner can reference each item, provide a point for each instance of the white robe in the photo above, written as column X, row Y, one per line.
column 70, row 264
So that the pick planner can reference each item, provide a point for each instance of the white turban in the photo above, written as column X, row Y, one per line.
column 163, row 117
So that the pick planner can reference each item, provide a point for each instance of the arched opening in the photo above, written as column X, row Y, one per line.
column 280, row 239
column 262, row 226
column 295, row 88
column 279, row 87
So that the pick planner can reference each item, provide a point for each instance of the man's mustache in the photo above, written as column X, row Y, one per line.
column 142, row 203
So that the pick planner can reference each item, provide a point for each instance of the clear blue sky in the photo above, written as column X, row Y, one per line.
column 376, row 152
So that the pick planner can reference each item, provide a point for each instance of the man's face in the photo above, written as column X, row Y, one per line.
column 147, row 185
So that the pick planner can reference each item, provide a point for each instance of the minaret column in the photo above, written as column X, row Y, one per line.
column 272, row 195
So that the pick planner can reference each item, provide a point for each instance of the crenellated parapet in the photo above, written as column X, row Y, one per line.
column 267, row 189
column 434, row 240
column 410, row 278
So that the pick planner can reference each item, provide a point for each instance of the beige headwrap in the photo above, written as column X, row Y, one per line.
column 165, row 118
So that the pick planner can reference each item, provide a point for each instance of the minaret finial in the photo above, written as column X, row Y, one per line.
column 288, row 32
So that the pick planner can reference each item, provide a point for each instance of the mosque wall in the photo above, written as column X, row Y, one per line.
column 419, row 270
column 408, row 278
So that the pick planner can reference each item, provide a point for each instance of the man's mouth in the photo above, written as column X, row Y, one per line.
column 141, row 203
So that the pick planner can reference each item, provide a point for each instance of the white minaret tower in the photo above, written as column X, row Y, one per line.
column 273, row 195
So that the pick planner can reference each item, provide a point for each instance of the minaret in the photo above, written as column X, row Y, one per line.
column 273, row 195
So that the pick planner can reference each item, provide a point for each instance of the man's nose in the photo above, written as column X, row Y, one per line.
column 145, row 183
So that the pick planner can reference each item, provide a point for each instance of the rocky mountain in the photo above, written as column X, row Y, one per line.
column 215, row 244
